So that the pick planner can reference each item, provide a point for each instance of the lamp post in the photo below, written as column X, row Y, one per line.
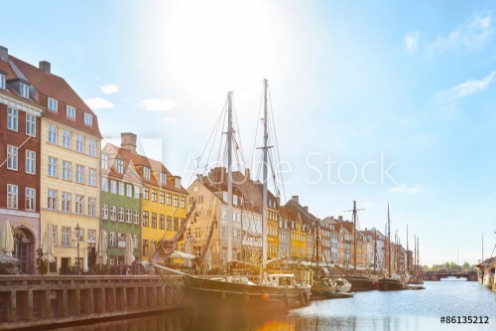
column 78, row 229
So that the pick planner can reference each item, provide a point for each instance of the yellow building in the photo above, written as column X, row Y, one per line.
column 69, row 170
column 273, row 227
column 164, row 200
column 298, row 237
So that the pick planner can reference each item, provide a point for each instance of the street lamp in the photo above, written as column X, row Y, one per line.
column 78, row 229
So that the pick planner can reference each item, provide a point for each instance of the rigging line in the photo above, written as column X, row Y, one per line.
column 217, row 123
column 238, row 132
column 256, row 131
column 219, row 136
column 11, row 154
column 248, row 86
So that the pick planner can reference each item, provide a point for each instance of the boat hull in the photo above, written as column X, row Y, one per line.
column 204, row 295
column 389, row 284
column 361, row 283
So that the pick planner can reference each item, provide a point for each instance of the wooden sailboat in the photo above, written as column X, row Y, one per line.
column 389, row 283
column 417, row 274
column 236, row 293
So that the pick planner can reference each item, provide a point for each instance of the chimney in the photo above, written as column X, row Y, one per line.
column 295, row 198
column 128, row 141
column 4, row 53
column 306, row 208
column 45, row 66
column 340, row 218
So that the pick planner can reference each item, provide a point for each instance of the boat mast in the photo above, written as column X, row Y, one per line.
column 265, row 176
column 389, row 244
column 407, row 261
column 375, row 248
column 354, row 237
column 229, row 177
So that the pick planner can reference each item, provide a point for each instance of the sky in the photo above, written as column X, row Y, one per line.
column 373, row 101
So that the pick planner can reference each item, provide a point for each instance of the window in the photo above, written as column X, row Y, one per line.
column 129, row 216
column 52, row 199
column 235, row 200
column 66, row 170
column 162, row 222
column 113, row 213
column 154, row 220
column 91, row 206
column 24, row 89
column 145, row 218
column 163, row 178
column 145, row 247
column 79, row 174
column 169, row 199
column 30, row 162
column 146, row 172
column 105, row 185
column 136, row 192
column 113, row 239
column 66, row 201
column 145, row 193
column 80, row 143
column 53, row 105
column 169, row 223
column 154, row 195
column 182, row 202
column 12, row 196
column 105, row 159
column 91, row 177
column 66, row 138
column 70, row 112
column 52, row 166
column 2, row 81
column 176, row 223
column 66, row 236
column 105, row 210
column 92, row 147
column 121, row 214
column 30, row 125
column 52, row 133
column 129, row 190
column 113, row 187
column 88, row 119
column 55, row 235
column 79, row 204
column 121, row 188
column 162, row 197
column 12, row 157
column 176, row 201
column 12, row 119
column 120, row 166
column 136, row 217
column 177, row 182
column 30, row 199
column 91, row 236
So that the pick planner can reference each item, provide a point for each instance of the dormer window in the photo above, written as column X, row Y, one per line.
column 146, row 172
column 24, row 90
column 163, row 178
column 53, row 105
column 177, row 182
column 70, row 112
column 120, row 166
column 88, row 119
column 2, row 81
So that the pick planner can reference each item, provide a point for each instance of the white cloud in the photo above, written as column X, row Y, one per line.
column 99, row 103
column 467, row 36
column 405, row 189
column 467, row 88
column 155, row 104
column 109, row 89
column 411, row 41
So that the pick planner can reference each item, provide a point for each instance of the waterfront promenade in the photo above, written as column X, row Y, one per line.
column 37, row 301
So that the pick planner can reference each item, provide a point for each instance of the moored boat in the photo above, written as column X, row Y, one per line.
column 390, row 284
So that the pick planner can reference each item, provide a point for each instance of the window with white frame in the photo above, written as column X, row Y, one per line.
column 121, row 188
column 176, row 201
column 67, row 138
column 177, row 182
column 92, row 147
column 79, row 174
column 113, row 213
column 30, row 204
column 129, row 190
column 121, row 214
column 169, row 199
column 163, row 178
column 136, row 217
column 91, row 236
column 88, row 119
column 113, row 239
column 105, row 184
column 30, row 162
column 52, row 166
column 146, row 172
column 91, row 177
column 24, row 89
column 105, row 210
column 145, row 193
column 145, row 218
column 91, row 206
column 154, row 220
column 12, row 119
column 129, row 216
column 79, row 204
column 66, row 170
column 113, row 187
column 12, row 196
column 162, row 197
column 70, row 112
column 80, row 143
column 136, row 192
column 2, row 81
column 52, row 134
column 53, row 105
column 66, row 201
column 30, row 125
column 120, row 166
column 55, row 233
column 154, row 195
column 162, row 222
column 12, row 157
column 66, row 236
column 105, row 159
column 52, row 199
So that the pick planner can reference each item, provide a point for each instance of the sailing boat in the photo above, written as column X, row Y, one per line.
column 358, row 282
column 238, row 293
column 416, row 278
column 389, row 283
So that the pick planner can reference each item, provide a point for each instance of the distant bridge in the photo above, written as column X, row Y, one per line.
column 437, row 275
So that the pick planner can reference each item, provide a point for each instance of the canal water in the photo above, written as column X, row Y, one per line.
column 374, row 310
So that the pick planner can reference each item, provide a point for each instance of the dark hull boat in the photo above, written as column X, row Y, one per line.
column 225, row 294
column 361, row 283
column 390, row 284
